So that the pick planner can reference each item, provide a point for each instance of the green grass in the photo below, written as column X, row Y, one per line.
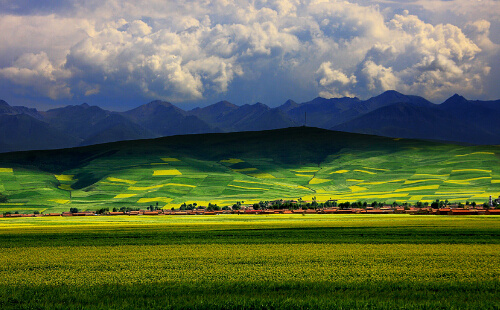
column 250, row 262
column 272, row 165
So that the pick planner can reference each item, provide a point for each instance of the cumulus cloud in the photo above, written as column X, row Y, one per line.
column 193, row 50
column 335, row 82
column 36, row 70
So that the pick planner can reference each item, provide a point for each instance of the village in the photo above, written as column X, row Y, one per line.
column 291, row 207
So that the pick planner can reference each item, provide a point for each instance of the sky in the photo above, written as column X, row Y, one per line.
column 119, row 54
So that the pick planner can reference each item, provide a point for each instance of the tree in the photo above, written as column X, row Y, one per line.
column 73, row 210
column 3, row 198
column 102, row 210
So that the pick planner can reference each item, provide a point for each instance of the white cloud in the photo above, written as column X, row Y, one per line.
column 36, row 70
column 190, row 50
column 334, row 82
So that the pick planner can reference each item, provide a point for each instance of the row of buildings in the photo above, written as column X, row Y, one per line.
column 383, row 210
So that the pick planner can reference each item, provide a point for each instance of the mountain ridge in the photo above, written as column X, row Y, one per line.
column 86, row 124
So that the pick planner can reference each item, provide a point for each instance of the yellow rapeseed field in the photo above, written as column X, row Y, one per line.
column 120, row 196
column 232, row 161
column 169, row 159
column 155, row 199
column 64, row 177
column 167, row 172
column 477, row 153
column 262, row 175
column 318, row 181
column 417, row 188
column 244, row 169
column 365, row 171
column 121, row 180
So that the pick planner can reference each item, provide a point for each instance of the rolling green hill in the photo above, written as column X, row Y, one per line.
column 247, row 166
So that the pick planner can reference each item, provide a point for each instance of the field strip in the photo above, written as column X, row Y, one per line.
column 179, row 184
column 418, row 188
column 6, row 170
column 432, row 175
column 357, row 188
column 244, row 169
column 154, row 164
column 318, row 181
column 167, row 172
column 155, row 199
column 262, row 175
column 65, row 187
column 305, row 175
column 251, row 188
column 476, row 153
column 420, row 181
column 368, row 196
column 305, row 170
column 121, row 180
column 232, row 161
column 354, row 180
column 459, row 193
column 466, row 181
column 379, row 169
column 169, row 159
column 64, row 177
column 339, row 171
column 273, row 184
column 60, row 201
column 120, row 196
column 471, row 170
column 381, row 182
column 145, row 188
column 495, row 181
column 365, row 171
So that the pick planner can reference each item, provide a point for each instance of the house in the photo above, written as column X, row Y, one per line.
column 346, row 211
column 493, row 212
column 443, row 211
column 462, row 212
column 399, row 211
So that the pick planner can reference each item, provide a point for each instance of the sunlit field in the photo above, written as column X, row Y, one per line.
column 251, row 167
column 251, row 261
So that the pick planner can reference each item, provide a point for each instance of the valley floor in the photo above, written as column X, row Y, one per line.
column 250, row 262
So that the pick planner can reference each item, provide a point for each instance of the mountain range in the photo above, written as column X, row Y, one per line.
column 389, row 114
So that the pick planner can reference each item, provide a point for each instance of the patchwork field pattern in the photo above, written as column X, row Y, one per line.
column 321, row 164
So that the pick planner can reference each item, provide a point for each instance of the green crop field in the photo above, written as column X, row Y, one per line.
column 250, row 167
column 250, row 262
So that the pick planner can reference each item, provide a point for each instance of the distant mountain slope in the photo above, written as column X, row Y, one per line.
column 390, row 113
column 93, row 125
column 164, row 119
column 214, row 113
column 327, row 113
column 457, row 119
column 22, row 132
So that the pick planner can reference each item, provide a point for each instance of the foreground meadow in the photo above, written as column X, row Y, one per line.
column 251, row 262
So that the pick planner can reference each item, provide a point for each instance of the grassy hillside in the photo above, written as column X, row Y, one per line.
column 248, row 166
